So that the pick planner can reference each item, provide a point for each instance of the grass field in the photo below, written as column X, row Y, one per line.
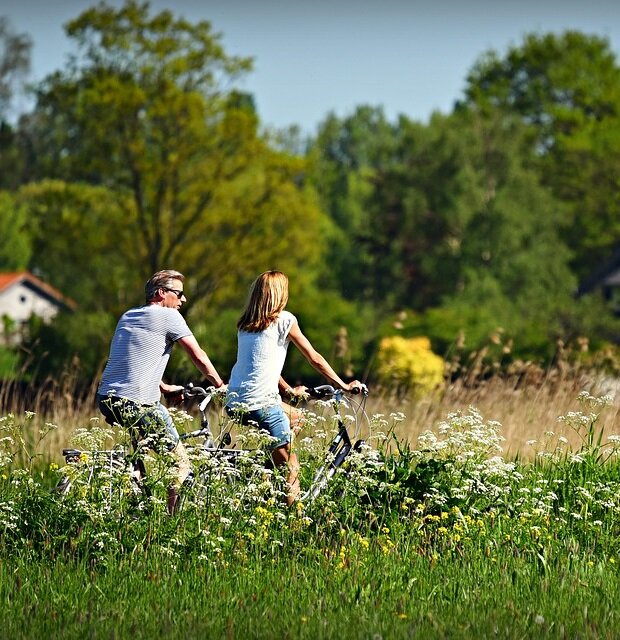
column 441, row 529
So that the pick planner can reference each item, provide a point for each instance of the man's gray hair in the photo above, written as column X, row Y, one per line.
column 159, row 280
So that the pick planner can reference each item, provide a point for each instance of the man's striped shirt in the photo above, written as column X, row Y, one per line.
column 139, row 352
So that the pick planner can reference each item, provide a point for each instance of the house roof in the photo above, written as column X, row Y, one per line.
column 598, row 277
column 7, row 280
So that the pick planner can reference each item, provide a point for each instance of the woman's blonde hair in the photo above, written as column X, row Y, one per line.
column 268, row 296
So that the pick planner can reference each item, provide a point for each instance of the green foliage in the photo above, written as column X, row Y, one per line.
column 14, row 64
column 9, row 364
column 77, row 340
column 15, row 240
column 567, row 86
column 81, row 244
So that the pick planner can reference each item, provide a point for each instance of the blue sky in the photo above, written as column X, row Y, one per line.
column 316, row 56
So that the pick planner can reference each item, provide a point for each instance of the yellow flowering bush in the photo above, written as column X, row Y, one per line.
column 409, row 364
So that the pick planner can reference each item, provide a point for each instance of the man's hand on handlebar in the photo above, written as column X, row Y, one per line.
column 174, row 395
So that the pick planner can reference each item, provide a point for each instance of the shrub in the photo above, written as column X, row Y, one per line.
column 409, row 365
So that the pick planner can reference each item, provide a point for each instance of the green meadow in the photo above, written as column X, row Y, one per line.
column 439, row 536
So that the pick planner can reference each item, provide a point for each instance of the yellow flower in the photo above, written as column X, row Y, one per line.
column 363, row 542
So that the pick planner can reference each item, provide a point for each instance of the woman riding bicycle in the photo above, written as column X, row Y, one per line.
column 264, row 332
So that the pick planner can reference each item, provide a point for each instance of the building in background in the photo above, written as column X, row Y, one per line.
column 23, row 295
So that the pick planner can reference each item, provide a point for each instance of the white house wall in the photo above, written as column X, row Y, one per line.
column 19, row 302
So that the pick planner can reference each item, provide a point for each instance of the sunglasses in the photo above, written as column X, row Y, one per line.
column 177, row 292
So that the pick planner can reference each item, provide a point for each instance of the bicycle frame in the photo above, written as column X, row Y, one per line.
column 337, row 452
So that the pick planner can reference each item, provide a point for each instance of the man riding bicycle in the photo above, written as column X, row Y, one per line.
column 131, row 385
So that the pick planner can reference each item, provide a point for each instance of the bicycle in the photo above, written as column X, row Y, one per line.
column 217, row 460
column 343, row 443
column 219, row 466
column 108, row 472
column 341, row 447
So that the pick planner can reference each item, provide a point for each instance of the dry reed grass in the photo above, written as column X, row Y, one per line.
column 526, row 407
column 526, row 400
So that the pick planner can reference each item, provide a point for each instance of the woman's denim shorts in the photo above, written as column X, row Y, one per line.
column 271, row 419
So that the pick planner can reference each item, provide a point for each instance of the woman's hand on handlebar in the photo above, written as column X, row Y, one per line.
column 300, row 392
column 356, row 386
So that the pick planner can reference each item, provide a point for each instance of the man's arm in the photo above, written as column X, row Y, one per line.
column 201, row 360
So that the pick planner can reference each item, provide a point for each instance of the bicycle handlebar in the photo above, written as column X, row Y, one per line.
column 326, row 390
column 190, row 390
column 322, row 391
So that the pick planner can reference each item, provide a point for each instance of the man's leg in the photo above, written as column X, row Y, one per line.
column 180, row 455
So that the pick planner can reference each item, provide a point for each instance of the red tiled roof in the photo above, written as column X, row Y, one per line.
column 9, row 279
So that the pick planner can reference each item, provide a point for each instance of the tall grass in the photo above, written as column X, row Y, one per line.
column 526, row 400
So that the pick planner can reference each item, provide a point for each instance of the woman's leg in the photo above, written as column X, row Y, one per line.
column 274, row 420
column 284, row 457
column 296, row 417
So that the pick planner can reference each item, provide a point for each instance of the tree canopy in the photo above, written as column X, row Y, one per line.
column 142, row 153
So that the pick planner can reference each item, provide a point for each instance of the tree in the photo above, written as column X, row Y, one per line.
column 144, row 111
column 568, row 87
column 14, row 68
column 14, row 64
column 158, row 164
column 15, row 244
column 141, row 111
column 80, row 243
column 343, row 159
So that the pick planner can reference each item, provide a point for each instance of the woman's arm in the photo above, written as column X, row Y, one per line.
column 288, row 391
column 318, row 362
